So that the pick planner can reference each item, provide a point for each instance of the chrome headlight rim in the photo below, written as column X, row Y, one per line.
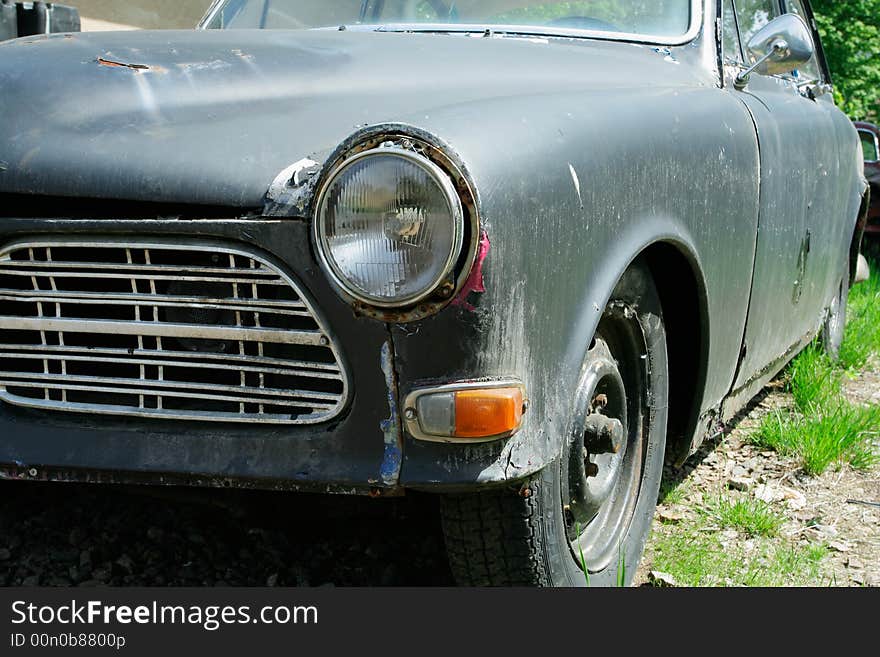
column 446, row 169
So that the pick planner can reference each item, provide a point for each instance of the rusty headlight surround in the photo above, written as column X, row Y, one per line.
column 419, row 144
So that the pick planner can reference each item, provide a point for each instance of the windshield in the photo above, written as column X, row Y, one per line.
column 664, row 19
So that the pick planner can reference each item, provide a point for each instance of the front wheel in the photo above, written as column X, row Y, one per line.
column 584, row 519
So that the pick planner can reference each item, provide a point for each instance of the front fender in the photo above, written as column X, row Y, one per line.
column 587, row 182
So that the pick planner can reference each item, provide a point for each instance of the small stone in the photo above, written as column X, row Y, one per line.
column 797, row 504
column 739, row 471
column 85, row 557
column 658, row 578
column 5, row 554
column 839, row 546
column 125, row 562
column 272, row 580
column 741, row 483
column 155, row 534
column 769, row 494
column 854, row 562
column 90, row 584
column 669, row 515
column 33, row 580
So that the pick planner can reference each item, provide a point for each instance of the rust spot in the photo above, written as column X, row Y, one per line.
column 112, row 64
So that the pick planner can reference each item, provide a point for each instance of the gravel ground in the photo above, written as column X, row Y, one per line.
column 89, row 535
column 73, row 535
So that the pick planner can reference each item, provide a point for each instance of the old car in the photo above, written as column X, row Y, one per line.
column 513, row 253
column 869, row 134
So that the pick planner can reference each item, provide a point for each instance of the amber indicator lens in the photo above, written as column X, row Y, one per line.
column 485, row 413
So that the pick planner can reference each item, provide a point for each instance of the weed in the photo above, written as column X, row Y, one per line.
column 813, row 380
column 752, row 516
column 844, row 434
column 862, row 338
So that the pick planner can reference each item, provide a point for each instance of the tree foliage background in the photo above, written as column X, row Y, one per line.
column 850, row 31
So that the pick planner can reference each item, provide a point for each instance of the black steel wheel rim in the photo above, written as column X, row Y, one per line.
column 601, row 486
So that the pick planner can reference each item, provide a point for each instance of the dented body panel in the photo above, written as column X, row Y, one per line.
column 581, row 155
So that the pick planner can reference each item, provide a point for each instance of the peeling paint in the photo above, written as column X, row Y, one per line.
column 390, row 469
column 112, row 64
column 290, row 192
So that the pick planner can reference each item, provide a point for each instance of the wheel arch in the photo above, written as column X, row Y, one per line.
column 682, row 294
column 677, row 273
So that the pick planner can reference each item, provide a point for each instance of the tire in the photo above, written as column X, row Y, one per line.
column 536, row 532
column 835, row 317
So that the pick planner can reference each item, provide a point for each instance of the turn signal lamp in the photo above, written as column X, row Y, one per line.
column 466, row 412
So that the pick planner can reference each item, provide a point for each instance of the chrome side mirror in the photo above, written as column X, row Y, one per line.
column 782, row 45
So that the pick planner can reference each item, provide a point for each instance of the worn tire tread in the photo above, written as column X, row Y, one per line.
column 493, row 537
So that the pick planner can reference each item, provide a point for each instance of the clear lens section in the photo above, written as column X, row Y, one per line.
column 436, row 414
column 389, row 228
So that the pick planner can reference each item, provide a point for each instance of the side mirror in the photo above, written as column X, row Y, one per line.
column 782, row 45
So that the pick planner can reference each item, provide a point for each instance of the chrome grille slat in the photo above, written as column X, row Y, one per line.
column 172, row 354
column 13, row 379
column 159, row 300
column 162, row 330
column 138, row 277
column 125, row 267
column 238, row 399
column 173, row 363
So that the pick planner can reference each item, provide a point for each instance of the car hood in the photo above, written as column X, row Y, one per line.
column 213, row 116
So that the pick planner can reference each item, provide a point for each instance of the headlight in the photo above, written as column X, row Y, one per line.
column 389, row 227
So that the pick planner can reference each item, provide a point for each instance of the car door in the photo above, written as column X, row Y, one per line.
column 799, row 163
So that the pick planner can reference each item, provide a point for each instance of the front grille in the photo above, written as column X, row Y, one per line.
column 175, row 331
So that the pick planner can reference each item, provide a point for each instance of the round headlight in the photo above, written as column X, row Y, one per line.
column 389, row 227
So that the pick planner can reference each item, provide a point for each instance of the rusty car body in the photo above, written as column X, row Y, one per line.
column 494, row 250
column 869, row 134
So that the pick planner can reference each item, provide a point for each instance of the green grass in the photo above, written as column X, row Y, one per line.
column 672, row 492
column 862, row 337
column 813, row 380
column 695, row 557
column 826, row 430
column 844, row 434
column 751, row 516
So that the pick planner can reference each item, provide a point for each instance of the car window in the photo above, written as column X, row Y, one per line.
column 869, row 146
column 751, row 16
column 730, row 37
column 811, row 70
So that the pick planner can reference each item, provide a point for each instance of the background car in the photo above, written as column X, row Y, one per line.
column 869, row 134
column 515, row 254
